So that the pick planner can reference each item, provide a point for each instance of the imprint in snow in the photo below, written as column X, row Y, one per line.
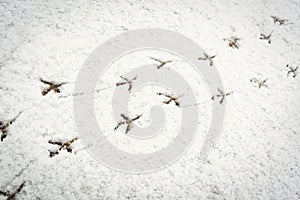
column 171, row 98
column 4, row 126
column 233, row 41
column 207, row 57
column 266, row 37
column 127, row 121
column 126, row 81
column 12, row 195
column 62, row 146
column 51, row 86
column 280, row 21
column 259, row 82
column 221, row 94
column 162, row 63
column 292, row 70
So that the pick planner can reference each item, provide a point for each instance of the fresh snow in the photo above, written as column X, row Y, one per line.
column 258, row 153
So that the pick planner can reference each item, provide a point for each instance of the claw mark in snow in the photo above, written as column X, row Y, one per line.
column 4, row 126
column 221, row 94
column 233, row 42
column 280, row 21
column 62, row 146
column 266, row 37
column 12, row 195
column 209, row 58
column 127, row 81
column 171, row 98
column 292, row 70
column 162, row 63
column 127, row 121
column 51, row 86
column 259, row 82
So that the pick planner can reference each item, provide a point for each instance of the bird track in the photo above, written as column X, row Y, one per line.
column 62, row 146
column 221, row 94
column 128, row 121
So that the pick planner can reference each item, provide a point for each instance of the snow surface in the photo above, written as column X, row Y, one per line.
column 257, row 155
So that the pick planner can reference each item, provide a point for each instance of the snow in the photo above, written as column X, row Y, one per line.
column 257, row 154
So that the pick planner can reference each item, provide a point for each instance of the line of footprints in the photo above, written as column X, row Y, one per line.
column 55, row 87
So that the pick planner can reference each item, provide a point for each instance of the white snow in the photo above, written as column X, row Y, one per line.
column 257, row 155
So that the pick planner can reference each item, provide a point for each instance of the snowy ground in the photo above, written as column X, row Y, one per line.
column 257, row 155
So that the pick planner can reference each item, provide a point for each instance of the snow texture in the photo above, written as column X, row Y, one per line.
column 257, row 155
